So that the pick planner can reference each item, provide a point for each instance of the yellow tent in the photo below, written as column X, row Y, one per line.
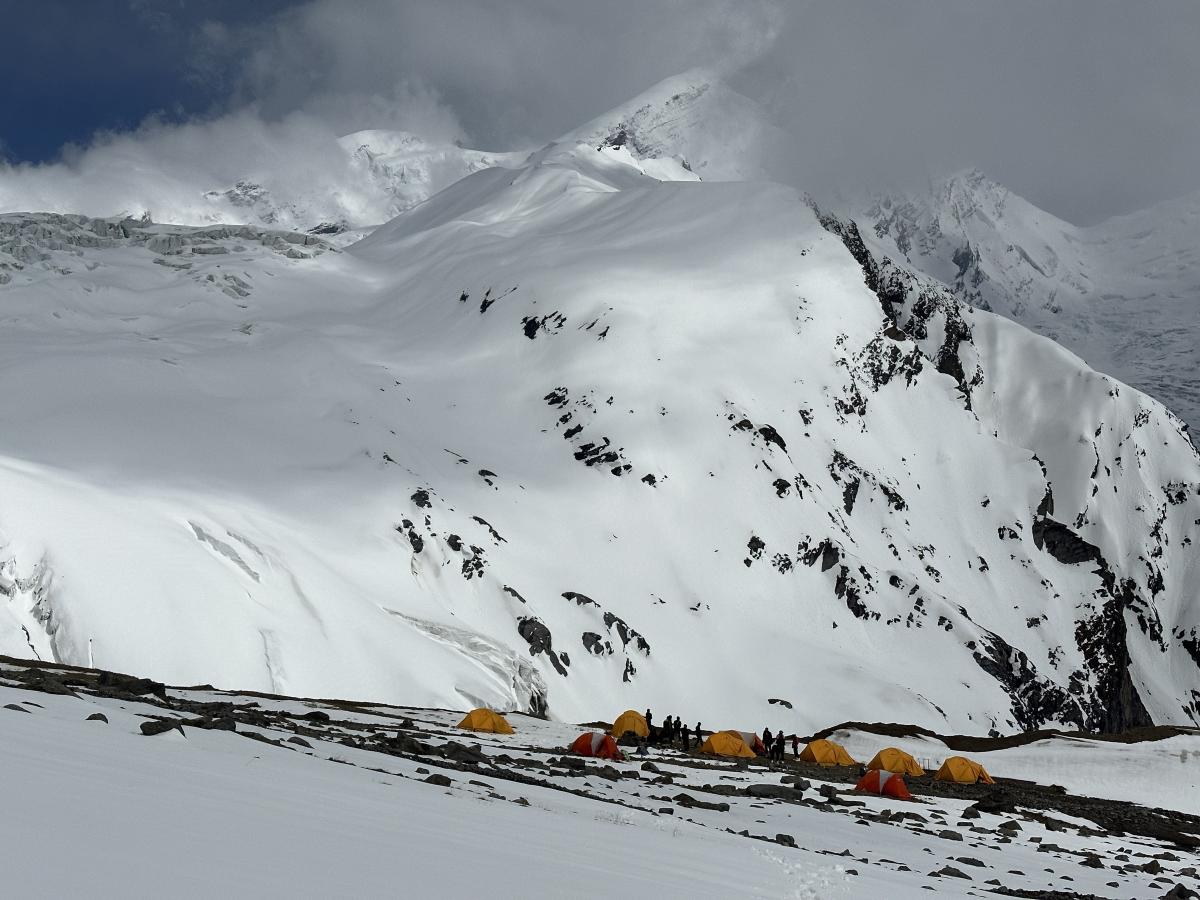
column 895, row 760
column 485, row 720
column 727, row 743
column 961, row 770
column 631, row 721
column 826, row 753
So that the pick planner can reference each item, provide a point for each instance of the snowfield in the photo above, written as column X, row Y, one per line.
column 585, row 433
column 271, row 796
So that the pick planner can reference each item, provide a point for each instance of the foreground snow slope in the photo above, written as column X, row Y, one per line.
column 588, row 433
column 1122, row 294
column 141, row 789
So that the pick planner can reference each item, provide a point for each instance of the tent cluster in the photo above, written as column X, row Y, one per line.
column 886, row 771
column 884, row 776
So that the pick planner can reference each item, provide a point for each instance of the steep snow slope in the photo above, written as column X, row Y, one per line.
column 573, row 435
column 1123, row 294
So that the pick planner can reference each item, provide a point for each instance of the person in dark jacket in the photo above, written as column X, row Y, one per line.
column 779, row 746
column 766, row 739
column 650, row 724
column 795, row 745
column 699, row 736
column 687, row 742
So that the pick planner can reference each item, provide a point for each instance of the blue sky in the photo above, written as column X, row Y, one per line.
column 77, row 67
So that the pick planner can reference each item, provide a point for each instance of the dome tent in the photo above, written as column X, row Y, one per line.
column 893, row 759
column 731, row 743
column 826, row 753
column 630, row 720
column 961, row 770
column 485, row 720
column 885, row 784
column 593, row 743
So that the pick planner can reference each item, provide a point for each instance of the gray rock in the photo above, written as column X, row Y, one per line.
column 950, row 872
column 771, row 791
column 439, row 779
column 97, row 717
column 949, row 835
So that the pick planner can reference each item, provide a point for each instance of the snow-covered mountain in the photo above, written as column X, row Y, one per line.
column 386, row 173
column 575, row 436
column 335, row 188
column 1123, row 294
column 697, row 119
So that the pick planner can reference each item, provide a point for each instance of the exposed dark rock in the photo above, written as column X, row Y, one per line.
column 595, row 644
column 538, row 636
column 97, row 717
column 127, row 684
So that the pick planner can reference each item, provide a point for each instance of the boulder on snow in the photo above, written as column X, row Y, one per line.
column 97, row 717
column 126, row 684
column 160, row 726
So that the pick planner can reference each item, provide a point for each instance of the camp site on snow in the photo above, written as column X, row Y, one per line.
column 1095, row 816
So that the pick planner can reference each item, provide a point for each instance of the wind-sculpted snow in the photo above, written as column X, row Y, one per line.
column 740, row 458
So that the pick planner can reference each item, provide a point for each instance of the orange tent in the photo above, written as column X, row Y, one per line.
column 728, row 743
column 630, row 720
column 826, row 753
column 885, row 784
column 963, row 771
column 753, row 741
column 486, row 720
column 893, row 759
column 593, row 743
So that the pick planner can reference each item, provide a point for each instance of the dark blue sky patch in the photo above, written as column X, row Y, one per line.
column 76, row 67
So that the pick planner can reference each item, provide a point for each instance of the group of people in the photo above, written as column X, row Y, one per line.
column 673, row 733
column 776, row 744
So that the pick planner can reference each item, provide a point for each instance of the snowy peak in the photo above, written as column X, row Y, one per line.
column 1088, row 288
column 720, row 134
